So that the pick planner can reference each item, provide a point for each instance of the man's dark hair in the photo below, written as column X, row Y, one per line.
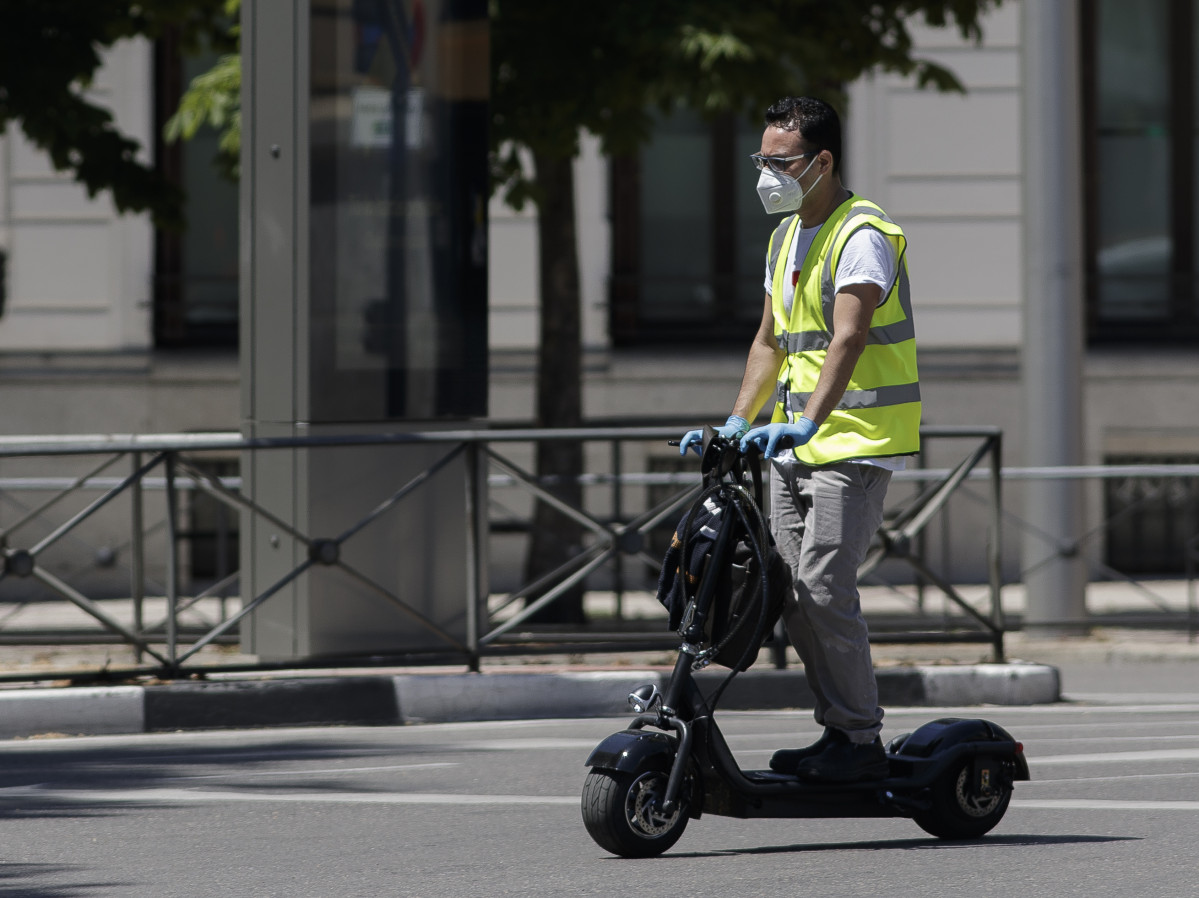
column 815, row 120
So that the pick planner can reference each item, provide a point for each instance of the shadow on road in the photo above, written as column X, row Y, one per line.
column 21, row 881
column 927, row 844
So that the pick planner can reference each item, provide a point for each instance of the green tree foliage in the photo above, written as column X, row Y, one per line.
column 50, row 51
column 607, row 69
column 214, row 98
column 559, row 69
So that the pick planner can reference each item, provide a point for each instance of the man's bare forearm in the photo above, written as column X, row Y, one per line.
column 852, row 312
column 761, row 377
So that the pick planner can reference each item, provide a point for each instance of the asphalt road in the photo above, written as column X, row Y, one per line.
column 492, row 809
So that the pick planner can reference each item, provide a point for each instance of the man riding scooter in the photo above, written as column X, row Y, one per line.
column 836, row 349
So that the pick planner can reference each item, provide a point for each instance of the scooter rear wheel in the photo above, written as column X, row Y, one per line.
column 958, row 812
column 622, row 812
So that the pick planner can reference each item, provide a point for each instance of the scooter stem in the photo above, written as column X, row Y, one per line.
column 667, row 716
column 681, row 759
column 676, row 689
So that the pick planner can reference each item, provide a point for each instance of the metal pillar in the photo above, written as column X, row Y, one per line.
column 363, row 308
column 1054, row 574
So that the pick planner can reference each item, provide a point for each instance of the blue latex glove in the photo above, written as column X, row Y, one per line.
column 734, row 427
column 776, row 438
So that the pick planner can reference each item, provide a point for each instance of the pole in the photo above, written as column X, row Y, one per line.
column 1054, row 573
column 172, row 567
column 137, row 556
column 476, row 536
column 995, row 547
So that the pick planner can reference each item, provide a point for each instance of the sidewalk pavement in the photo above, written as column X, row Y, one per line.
column 594, row 685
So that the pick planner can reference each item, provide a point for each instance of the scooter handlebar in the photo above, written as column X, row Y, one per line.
column 751, row 448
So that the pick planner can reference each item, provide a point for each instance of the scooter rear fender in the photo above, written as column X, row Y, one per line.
column 943, row 741
column 628, row 750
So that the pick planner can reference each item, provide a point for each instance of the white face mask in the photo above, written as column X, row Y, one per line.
column 782, row 193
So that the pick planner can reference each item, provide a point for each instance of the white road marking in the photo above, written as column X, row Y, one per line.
column 1106, row 726
column 1109, row 779
column 319, row 771
column 192, row 796
column 1057, row 709
column 1071, row 740
column 767, row 743
column 1123, row 698
column 1157, row 708
column 1099, row 804
column 200, row 796
column 527, row 744
column 1113, row 757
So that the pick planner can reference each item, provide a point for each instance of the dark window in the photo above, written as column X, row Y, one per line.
column 1140, row 119
column 195, row 271
column 689, row 234
column 1151, row 520
column 397, row 258
column 211, row 528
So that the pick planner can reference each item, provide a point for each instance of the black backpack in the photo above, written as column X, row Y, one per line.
column 748, row 578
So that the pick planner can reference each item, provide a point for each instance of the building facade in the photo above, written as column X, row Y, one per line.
column 108, row 327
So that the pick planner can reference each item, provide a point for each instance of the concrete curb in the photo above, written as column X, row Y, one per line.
column 94, row 711
column 1017, row 683
column 227, row 704
column 442, row 698
column 386, row 699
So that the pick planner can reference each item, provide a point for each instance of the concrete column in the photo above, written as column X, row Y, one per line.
column 1055, row 575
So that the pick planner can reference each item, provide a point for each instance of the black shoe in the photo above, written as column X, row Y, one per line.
column 787, row 760
column 846, row 762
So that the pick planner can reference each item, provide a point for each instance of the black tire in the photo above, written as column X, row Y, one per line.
column 956, row 814
column 619, row 811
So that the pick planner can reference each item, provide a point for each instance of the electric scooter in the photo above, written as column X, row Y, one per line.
column 953, row 777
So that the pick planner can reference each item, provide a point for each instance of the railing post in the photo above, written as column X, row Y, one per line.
column 995, row 546
column 476, row 592
column 172, row 562
column 921, row 547
column 1191, row 551
column 617, row 519
column 137, row 556
column 1190, row 545
column 222, row 554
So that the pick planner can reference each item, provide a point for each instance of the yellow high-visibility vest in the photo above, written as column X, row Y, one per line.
column 879, row 415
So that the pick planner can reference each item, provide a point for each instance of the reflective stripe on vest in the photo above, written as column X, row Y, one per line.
column 879, row 414
column 860, row 399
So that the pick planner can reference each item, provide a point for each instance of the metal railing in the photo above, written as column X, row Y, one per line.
column 899, row 536
column 170, row 465
column 1161, row 609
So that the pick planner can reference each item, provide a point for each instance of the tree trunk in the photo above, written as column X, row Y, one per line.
column 555, row 537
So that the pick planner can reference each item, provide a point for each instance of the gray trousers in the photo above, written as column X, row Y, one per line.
column 823, row 520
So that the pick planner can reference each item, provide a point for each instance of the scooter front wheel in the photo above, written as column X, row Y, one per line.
column 622, row 811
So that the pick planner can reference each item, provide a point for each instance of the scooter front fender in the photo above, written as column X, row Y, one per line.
column 629, row 750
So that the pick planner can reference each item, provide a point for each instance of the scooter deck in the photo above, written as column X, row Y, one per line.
column 770, row 777
column 782, row 795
